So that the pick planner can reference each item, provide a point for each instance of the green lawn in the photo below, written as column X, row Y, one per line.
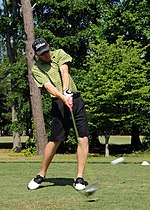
column 121, row 187
column 113, row 139
column 118, row 139
column 8, row 139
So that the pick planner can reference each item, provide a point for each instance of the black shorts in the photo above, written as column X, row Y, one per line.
column 62, row 121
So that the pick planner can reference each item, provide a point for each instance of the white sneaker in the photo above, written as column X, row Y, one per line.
column 35, row 182
column 79, row 184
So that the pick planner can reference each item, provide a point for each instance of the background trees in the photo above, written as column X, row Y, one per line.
column 119, row 87
column 109, row 43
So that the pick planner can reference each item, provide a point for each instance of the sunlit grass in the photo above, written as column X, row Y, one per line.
column 8, row 139
column 118, row 139
column 122, row 187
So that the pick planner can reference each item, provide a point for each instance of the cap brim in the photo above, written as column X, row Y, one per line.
column 41, row 51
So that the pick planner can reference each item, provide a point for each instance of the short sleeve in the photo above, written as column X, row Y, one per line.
column 63, row 57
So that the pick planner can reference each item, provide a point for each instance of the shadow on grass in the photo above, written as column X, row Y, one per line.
column 60, row 181
column 114, row 149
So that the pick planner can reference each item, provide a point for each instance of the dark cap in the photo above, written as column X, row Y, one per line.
column 40, row 46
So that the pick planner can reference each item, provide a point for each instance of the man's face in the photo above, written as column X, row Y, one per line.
column 46, row 57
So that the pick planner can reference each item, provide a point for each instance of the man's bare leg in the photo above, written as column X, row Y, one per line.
column 49, row 153
column 82, row 155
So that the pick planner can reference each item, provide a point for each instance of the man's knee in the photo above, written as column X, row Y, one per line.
column 84, row 141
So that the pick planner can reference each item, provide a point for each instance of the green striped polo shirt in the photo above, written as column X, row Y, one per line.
column 44, row 72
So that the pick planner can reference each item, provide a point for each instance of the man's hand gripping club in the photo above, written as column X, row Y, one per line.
column 69, row 94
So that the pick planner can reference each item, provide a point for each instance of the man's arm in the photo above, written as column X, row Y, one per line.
column 66, row 80
column 52, row 90
column 65, row 76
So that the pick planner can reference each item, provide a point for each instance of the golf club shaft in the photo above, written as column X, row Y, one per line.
column 74, row 124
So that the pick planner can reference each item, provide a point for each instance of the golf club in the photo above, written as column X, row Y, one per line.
column 93, row 187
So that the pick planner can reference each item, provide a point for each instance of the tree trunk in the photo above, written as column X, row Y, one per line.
column 107, row 136
column 135, row 137
column 16, row 136
column 95, row 143
column 35, row 94
column 16, row 142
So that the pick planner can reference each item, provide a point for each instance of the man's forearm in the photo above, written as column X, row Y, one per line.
column 65, row 76
column 66, row 81
column 52, row 90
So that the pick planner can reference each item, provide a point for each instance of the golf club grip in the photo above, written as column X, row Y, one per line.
column 74, row 124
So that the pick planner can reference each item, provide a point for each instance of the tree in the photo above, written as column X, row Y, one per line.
column 35, row 95
column 130, row 19
column 65, row 24
column 10, row 40
column 5, row 118
column 115, row 85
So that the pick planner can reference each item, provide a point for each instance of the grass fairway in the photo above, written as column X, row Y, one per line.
column 118, row 139
column 8, row 139
column 122, row 187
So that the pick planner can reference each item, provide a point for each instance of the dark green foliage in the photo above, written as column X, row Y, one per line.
column 5, row 117
column 116, row 89
column 131, row 19
column 65, row 24
column 30, row 147
column 16, row 90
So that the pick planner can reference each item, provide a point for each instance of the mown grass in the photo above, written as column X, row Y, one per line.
column 118, row 139
column 8, row 139
column 121, row 187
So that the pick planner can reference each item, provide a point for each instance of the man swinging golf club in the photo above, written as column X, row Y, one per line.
column 51, row 72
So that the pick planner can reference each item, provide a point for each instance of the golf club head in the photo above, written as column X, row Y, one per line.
column 92, row 188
